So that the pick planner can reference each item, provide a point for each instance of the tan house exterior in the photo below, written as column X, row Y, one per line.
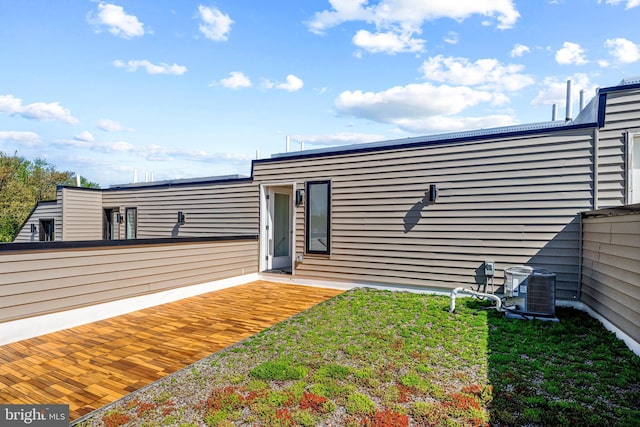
column 422, row 212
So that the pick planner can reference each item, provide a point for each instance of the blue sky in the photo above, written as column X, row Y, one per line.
column 187, row 89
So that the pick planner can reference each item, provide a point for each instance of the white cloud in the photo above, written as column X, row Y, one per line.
column 340, row 138
column 519, row 50
column 292, row 84
column 120, row 24
column 397, row 21
column 215, row 25
column 623, row 50
column 570, row 53
column 84, row 136
column 628, row 3
column 161, row 68
column 451, row 38
column 151, row 152
column 29, row 139
column 554, row 89
column 422, row 107
column 485, row 73
column 603, row 63
column 411, row 13
column 387, row 42
column 236, row 80
column 455, row 123
column 104, row 147
column 110, row 125
column 51, row 111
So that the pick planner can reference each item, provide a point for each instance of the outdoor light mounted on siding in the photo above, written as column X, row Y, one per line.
column 33, row 228
column 119, row 218
column 181, row 218
column 433, row 193
column 299, row 197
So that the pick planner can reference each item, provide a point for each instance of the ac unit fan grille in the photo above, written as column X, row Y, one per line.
column 541, row 298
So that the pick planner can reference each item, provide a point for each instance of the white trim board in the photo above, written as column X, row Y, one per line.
column 21, row 329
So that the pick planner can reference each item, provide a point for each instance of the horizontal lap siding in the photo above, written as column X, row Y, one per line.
column 82, row 214
column 513, row 201
column 210, row 209
column 611, row 270
column 48, row 281
column 44, row 210
column 622, row 115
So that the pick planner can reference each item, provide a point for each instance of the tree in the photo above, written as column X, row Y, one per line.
column 23, row 183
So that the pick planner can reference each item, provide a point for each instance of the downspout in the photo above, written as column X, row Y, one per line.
column 596, row 167
column 580, row 242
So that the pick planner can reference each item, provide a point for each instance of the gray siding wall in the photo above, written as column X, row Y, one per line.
column 622, row 115
column 81, row 214
column 215, row 209
column 45, row 281
column 44, row 210
column 611, row 269
column 511, row 200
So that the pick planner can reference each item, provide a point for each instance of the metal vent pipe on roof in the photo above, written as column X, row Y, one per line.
column 569, row 116
column 581, row 99
column 554, row 112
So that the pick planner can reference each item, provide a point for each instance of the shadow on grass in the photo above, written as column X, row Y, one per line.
column 571, row 373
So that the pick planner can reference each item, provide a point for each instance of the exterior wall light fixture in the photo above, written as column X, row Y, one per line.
column 433, row 193
column 181, row 218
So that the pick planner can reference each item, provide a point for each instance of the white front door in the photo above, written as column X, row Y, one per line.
column 279, row 227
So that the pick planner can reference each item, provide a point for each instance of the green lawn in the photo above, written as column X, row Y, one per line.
column 379, row 358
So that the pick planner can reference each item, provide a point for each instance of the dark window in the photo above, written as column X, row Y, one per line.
column 47, row 230
column 318, row 218
column 131, row 222
column 109, row 223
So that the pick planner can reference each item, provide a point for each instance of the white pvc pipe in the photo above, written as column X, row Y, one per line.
column 456, row 291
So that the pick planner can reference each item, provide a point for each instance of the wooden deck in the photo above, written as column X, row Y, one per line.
column 92, row 365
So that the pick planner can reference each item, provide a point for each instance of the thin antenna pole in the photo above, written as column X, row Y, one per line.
column 569, row 98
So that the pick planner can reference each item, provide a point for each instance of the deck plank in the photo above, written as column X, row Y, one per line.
column 92, row 365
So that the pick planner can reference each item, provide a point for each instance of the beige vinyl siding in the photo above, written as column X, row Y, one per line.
column 43, row 210
column 622, row 115
column 214, row 209
column 82, row 214
column 45, row 281
column 611, row 269
column 510, row 200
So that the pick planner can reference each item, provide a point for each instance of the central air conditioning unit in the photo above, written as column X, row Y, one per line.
column 530, row 291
